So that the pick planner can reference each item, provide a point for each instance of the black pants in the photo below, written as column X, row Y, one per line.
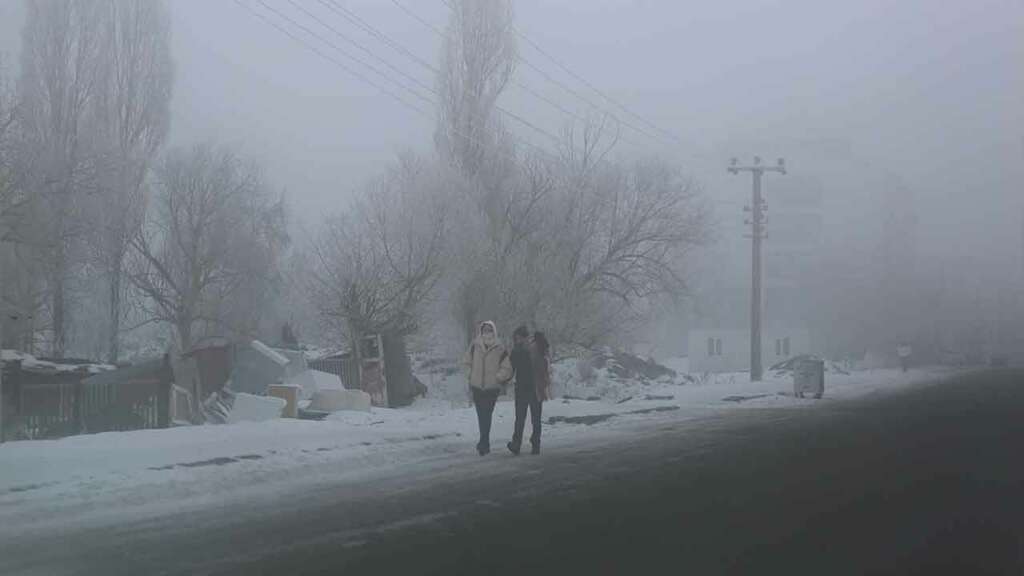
column 484, row 401
column 527, row 400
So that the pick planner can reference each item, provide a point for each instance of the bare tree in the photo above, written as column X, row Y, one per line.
column 211, row 231
column 575, row 241
column 132, row 114
column 625, row 240
column 377, row 264
column 588, row 244
column 245, row 310
column 61, row 43
column 23, row 248
column 11, row 198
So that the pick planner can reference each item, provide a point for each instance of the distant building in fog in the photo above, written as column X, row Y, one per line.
column 729, row 350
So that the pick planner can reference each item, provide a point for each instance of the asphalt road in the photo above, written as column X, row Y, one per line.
column 928, row 481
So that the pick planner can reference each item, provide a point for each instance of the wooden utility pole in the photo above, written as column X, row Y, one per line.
column 757, row 208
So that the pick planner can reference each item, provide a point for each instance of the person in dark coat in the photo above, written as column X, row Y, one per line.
column 526, row 391
column 540, row 354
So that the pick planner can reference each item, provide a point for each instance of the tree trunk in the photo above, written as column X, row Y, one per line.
column 184, row 330
column 58, row 303
column 115, row 314
column 403, row 388
column 355, row 336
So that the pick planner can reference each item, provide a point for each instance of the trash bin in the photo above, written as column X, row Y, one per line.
column 809, row 378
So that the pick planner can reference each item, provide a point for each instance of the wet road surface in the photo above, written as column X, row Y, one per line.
column 926, row 481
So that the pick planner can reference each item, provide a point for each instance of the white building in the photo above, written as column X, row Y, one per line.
column 729, row 350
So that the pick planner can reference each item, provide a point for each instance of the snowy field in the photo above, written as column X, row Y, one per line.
column 101, row 477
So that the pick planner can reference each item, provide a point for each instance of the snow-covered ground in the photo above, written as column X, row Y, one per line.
column 89, row 478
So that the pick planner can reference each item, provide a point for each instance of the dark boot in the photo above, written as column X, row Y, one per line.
column 482, row 449
column 536, row 448
column 513, row 447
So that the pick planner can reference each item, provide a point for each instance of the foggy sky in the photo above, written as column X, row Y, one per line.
column 930, row 92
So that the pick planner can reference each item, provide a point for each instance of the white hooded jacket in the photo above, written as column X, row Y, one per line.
column 487, row 367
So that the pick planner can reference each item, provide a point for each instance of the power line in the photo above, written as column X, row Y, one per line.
column 419, row 18
column 333, row 60
column 586, row 83
column 518, row 118
column 366, row 50
column 526, row 88
column 374, row 84
column 355, row 19
column 341, row 51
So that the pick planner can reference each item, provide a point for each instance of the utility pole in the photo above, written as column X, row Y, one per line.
column 3, row 313
column 757, row 209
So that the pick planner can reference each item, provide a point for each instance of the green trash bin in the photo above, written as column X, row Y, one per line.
column 809, row 378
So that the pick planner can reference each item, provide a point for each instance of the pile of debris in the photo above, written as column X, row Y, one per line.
column 625, row 366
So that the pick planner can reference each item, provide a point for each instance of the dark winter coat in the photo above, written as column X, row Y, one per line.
column 522, row 367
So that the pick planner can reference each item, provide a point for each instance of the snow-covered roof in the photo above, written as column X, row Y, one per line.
column 30, row 362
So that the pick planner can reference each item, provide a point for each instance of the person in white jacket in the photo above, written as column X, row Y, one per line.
column 488, row 370
column 903, row 350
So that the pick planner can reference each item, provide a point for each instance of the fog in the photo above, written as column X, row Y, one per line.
column 913, row 108
column 281, row 281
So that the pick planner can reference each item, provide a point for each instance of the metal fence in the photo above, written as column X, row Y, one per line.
column 344, row 368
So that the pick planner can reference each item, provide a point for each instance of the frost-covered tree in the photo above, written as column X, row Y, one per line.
column 132, row 117
column 211, row 235
column 570, row 241
column 478, row 60
column 21, row 275
column 60, row 61
column 590, row 243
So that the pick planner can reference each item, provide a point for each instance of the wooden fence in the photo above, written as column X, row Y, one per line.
column 63, row 403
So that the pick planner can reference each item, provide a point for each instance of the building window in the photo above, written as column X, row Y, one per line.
column 714, row 347
column 782, row 346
